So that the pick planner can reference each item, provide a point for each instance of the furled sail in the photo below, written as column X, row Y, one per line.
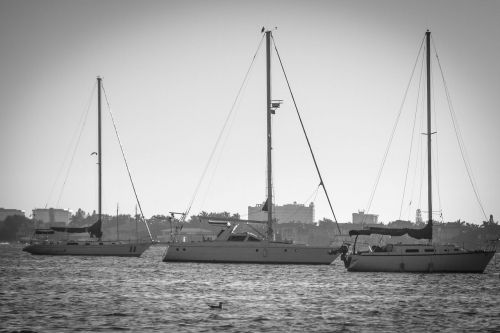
column 44, row 232
column 424, row 233
column 94, row 230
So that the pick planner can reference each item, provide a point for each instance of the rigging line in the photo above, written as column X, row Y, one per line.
column 82, row 122
column 394, row 129
column 458, row 135
column 423, row 153
column 307, row 138
column 418, row 155
column 435, row 159
column 225, row 139
column 417, row 164
column 126, row 163
column 221, row 132
column 412, row 136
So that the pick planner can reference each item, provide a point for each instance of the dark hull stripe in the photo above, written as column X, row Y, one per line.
column 419, row 272
column 245, row 262
column 86, row 254
column 425, row 254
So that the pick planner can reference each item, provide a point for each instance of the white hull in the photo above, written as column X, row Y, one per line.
column 441, row 261
column 249, row 252
column 88, row 248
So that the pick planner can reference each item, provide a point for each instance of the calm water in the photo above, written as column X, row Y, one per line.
column 62, row 294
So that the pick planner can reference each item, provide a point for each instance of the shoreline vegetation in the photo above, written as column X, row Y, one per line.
column 324, row 232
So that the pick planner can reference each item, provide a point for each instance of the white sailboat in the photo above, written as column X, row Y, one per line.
column 424, row 258
column 95, row 246
column 235, row 246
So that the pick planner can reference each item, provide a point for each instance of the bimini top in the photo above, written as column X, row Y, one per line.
column 424, row 233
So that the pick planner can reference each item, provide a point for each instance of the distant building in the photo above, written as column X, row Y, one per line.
column 418, row 217
column 52, row 215
column 361, row 218
column 284, row 214
column 4, row 213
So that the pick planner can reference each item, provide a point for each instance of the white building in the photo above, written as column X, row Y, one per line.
column 283, row 214
column 361, row 218
column 9, row 212
column 52, row 215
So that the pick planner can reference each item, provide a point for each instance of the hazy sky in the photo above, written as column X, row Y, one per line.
column 172, row 69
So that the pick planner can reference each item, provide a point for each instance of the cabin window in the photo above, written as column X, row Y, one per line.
column 253, row 239
column 411, row 250
column 256, row 250
column 87, row 243
column 456, row 250
column 184, row 249
column 429, row 250
column 237, row 238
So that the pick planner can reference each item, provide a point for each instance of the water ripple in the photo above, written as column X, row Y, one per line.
column 72, row 294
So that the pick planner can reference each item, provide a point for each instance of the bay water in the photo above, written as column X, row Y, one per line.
column 103, row 294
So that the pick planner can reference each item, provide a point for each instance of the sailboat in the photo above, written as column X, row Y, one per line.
column 423, row 258
column 42, row 244
column 234, row 244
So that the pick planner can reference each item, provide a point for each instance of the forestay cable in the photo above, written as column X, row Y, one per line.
column 126, row 164
column 412, row 136
column 458, row 135
column 186, row 212
column 393, row 130
column 82, row 121
column 307, row 138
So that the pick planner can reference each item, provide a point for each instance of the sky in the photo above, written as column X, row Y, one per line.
column 172, row 70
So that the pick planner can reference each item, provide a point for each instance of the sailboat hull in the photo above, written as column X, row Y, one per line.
column 249, row 252
column 463, row 262
column 87, row 249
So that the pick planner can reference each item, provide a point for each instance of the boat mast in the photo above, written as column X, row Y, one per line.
column 429, row 134
column 99, row 160
column 269, row 146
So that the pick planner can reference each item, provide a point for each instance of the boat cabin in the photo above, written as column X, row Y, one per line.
column 243, row 237
column 412, row 249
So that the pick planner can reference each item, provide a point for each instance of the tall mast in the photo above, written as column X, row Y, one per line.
column 269, row 146
column 99, row 160
column 429, row 133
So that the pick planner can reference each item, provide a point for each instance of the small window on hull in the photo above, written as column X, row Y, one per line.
column 237, row 238
column 411, row 250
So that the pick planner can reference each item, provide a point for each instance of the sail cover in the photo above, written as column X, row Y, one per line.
column 44, row 232
column 94, row 230
column 424, row 233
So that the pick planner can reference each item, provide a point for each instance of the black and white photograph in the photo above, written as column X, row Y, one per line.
column 249, row 166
